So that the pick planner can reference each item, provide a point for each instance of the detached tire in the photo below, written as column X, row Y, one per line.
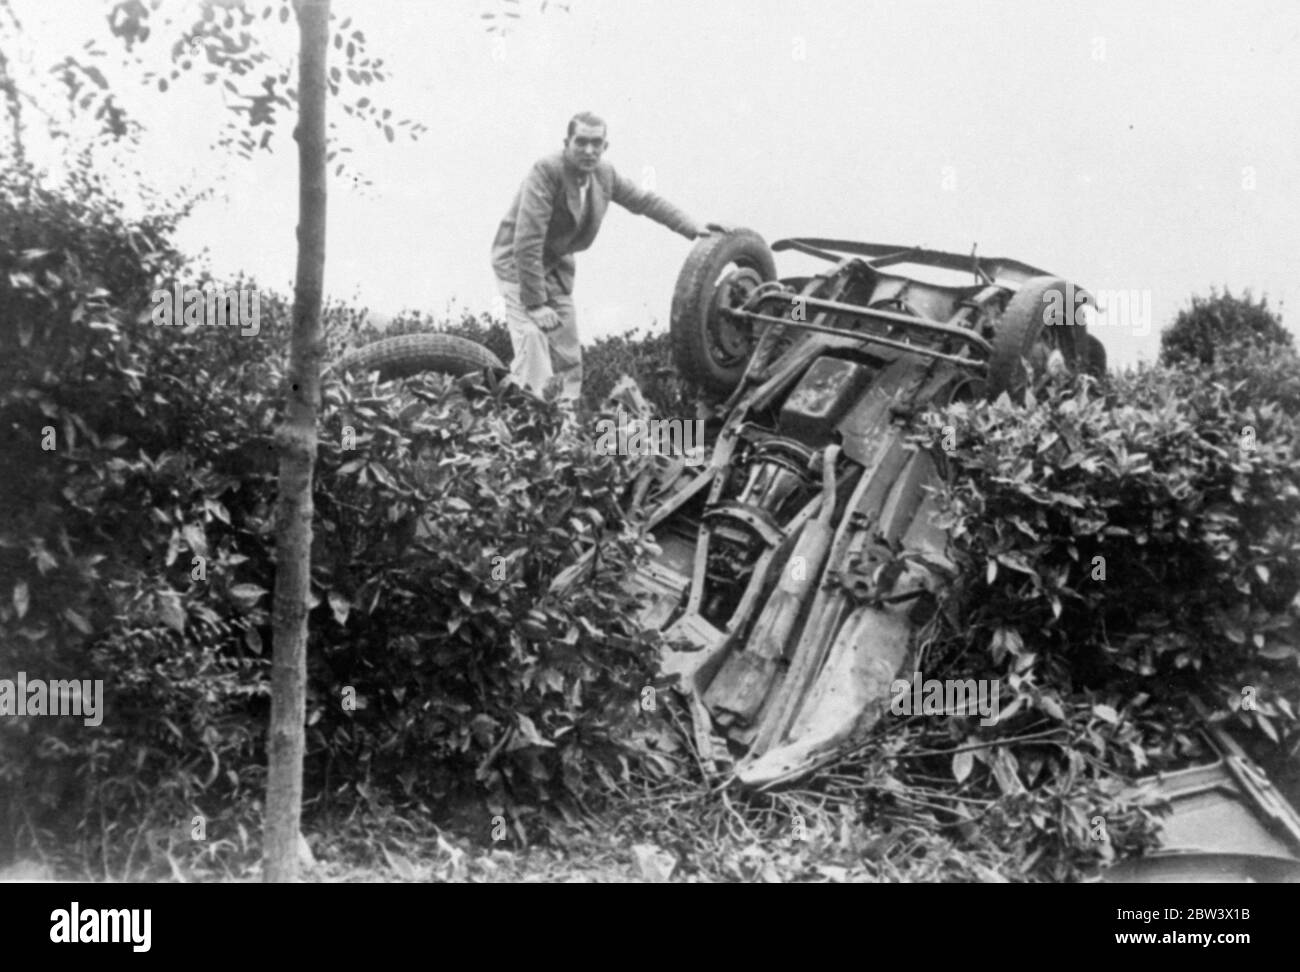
column 710, row 350
column 1029, row 328
column 411, row 354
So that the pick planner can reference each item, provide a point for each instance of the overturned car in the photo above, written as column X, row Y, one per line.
column 800, row 563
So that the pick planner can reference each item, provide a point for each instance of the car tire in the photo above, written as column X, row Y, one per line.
column 1094, row 356
column 411, row 354
column 1023, row 331
column 722, row 269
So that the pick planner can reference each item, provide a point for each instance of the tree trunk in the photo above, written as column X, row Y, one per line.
column 297, row 450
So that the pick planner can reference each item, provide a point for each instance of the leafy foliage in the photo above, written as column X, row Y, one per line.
column 1129, row 560
column 441, row 534
column 115, row 469
column 136, row 549
column 219, row 43
column 1199, row 333
column 646, row 358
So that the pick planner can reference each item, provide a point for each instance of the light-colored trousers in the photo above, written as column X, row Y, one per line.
column 539, row 355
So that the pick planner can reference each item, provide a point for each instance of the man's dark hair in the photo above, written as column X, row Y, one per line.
column 587, row 118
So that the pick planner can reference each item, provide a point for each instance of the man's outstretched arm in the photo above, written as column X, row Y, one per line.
column 643, row 202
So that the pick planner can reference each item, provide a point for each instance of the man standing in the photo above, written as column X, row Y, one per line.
column 556, row 213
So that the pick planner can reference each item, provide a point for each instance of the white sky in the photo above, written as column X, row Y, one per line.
column 1113, row 143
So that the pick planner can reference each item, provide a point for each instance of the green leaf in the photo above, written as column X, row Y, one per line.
column 195, row 538
column 1053, row 708
column 961, row 765
column 171, row 612
column 528, row 733
column 1004, row 767
column 384, row 477
column 78, row 622
column 1277, row 651
column 1010, row 710
column 1016, row 562
column 246, row 595
column 1106, row 714
column 340, row 605
column 45, row 561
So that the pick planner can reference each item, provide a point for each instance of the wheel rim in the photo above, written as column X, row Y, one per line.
column 1052, row 336
column 730, row 342
column 1046, row 337
column 1049, row 339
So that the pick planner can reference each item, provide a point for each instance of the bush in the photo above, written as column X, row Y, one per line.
column 1200, row 333
column 122, row 466
column 440, row 535
column 649, row 360
column 1128, row 561
column 139, row 551
column 1147, row 540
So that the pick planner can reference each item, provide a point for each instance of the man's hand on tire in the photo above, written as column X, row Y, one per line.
column 545, row 318
column 710, row 228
